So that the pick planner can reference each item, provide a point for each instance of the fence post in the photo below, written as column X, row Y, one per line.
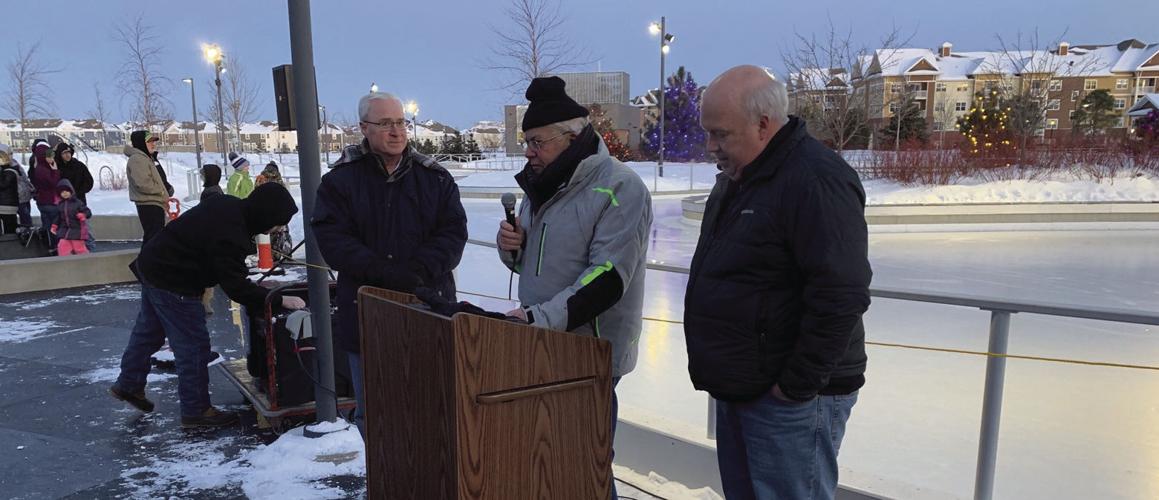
column 992, row 406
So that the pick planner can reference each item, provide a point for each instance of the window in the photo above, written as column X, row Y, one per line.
column 1052, row 124
column 937, row 126
column 894, row 88
column 1071, row 115
column 965, row 87
column 893, row 107
column 1036, row 85
column 1121, row 122
column 917, row 87
column 1121, row 84
column 1074, row 95
column 1055, row 86
column 939, row 106
column 1054, row 105
column 1090, row 84
column 939, row 87
column 1120, row 103
column 959, row 106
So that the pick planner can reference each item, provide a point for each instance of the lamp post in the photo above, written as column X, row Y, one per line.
column 412, row 107
column 214, row 56
column 666, row 39
column 196, row 127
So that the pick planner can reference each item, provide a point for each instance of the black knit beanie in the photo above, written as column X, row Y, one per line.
column 549, row 103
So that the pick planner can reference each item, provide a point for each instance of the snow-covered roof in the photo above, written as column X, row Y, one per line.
column 818, row 79
column 1144, row 106
column 1087, row 60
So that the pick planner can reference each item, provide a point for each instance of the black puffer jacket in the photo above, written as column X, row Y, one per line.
column 392, row 231
column 208, row 244
column 9, row 186
column 75, row 171
column 781, row 276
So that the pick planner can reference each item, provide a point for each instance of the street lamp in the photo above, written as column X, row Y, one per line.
column 214, row 56
column 326, row 131
column 661, row 29
column 412, row 107
column 196, row 127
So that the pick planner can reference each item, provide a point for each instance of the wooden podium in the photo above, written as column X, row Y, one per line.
column 477, row 408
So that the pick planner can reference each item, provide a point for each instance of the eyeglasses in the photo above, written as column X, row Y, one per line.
column 537, row 144
column 399, row 124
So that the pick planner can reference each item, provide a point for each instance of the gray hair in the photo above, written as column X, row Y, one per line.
column 769, row 99
column 364, row 102
column 572, row 126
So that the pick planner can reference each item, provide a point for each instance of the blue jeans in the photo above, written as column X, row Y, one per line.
column 772, row 449
column 182, row 319
column 48, row 214
column 359, row 396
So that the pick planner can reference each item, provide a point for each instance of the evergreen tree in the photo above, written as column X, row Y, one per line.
column 911, row 118
column 471, row 147
column 1095, row 114
column 986, row 128
column 604, row 126
column 684, row 140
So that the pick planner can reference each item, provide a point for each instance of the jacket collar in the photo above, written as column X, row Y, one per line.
column 769, row 161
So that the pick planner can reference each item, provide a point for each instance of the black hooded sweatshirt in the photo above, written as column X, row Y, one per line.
column 208, row 244
column 75, row 171
column 212, row 184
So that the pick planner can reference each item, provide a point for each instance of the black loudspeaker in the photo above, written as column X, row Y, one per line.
column 284, row 96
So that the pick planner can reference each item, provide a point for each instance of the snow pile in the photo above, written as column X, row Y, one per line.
column 17, row 331
column 110, row 374
column 294, row 466
column 658, row 485
column 1059, row 189
column 675, row 176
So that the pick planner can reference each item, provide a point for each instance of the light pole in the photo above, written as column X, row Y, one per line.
column 196, row 135
column 666, row 39
column 412, row 107
column 214, row 56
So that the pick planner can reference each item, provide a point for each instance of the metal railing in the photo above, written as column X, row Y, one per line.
column 996, row 355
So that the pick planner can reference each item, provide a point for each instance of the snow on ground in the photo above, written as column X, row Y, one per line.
column 24, row 330
column 94, row 297
column 1063, row 188
column 294, row 466
column 110, row 374
column 660, row 486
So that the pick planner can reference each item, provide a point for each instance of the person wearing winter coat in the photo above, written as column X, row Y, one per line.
column 240, row 184
column 78, row 174
column 9, row 194
column 386, row 216
column 71, row 225
column 24, row 188
column 581, row 235
column 212, row 185
column 148, row 188
column 206, row 246
column 269, row 174
column 45, row 174
column 74, row 170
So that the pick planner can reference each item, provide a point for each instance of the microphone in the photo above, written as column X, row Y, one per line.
column 508, row 201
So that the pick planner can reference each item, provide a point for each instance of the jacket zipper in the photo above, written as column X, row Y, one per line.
column 542, row 239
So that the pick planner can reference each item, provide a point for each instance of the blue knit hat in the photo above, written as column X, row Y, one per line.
column 237, row 160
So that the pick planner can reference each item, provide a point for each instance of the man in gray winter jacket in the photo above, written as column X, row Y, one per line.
column 582, row 231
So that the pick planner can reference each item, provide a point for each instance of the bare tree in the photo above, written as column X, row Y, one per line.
column 139, row 76
column 945, row 116
column 821, row 73
column 29, row 95
column 1026, row 65
column 239, row 97
column 534, row 45
column 100, row 114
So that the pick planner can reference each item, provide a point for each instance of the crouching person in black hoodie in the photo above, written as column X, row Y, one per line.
column 204, row 247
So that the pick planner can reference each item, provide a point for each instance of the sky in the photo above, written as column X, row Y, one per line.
column 436, row 51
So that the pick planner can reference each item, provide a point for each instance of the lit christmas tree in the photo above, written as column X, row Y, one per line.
column 986, row 128
column 684, row 140
column 604, row 126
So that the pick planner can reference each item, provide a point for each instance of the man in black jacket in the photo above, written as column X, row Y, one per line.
column 778, row 285
column 206, row 246
column 386, row 216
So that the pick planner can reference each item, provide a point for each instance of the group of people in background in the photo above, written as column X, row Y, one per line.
column 58, row 182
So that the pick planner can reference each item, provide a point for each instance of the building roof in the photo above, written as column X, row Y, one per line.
column 1085, row 60
column 1145, row 105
